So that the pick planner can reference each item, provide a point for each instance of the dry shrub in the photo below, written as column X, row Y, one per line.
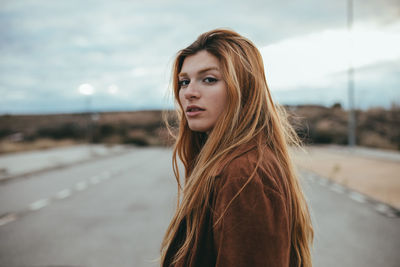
column 372, row 139
column 376, row 127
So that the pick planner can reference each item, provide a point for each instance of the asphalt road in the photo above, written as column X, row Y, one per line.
column 114, row 211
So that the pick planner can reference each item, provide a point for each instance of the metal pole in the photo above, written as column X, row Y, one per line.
column 350, row 79
column 89, row 118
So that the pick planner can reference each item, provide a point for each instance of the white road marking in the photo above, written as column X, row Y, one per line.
column 357, row 197
column 323, row 182
column 81, row 185
column 390, row 214
column 7, row 219
column 383, row 208
column 337, row 188
column 63, row 194
column 94, row 180
column 311, row 178
column 39, row 204
column 106, row 175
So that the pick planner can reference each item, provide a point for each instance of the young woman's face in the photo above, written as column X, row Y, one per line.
column 203, row 92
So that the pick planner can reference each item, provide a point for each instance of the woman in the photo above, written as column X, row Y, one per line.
column 241, row 204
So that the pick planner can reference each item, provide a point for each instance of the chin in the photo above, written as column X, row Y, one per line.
column 199, row 128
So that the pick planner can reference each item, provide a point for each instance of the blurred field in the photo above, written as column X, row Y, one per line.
column 30, row 132
column 315, row 125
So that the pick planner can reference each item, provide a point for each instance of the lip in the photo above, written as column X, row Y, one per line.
column 193, row 110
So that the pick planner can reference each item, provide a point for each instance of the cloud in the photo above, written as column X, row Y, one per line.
column 48, row 48
column 311, row 60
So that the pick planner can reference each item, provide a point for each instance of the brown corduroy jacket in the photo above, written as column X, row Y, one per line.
column 255, row 228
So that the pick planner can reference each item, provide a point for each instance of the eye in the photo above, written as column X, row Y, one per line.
column 210, row 80
column 184, row 83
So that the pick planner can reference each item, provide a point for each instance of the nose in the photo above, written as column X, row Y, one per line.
column 191, row 91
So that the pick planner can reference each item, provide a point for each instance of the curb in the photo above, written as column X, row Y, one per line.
column 384, row 209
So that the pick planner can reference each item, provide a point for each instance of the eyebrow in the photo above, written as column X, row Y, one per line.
column 200, row 71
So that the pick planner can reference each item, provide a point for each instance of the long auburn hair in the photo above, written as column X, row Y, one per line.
column 250, row 113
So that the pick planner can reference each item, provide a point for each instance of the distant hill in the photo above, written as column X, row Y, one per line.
column 315, row 124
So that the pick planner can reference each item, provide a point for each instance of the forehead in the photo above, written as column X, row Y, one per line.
column 198, row 62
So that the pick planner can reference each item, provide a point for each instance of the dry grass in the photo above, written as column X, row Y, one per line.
column 376, row 178
column 39, row 144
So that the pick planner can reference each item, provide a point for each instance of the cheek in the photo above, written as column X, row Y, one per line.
column 221, row 108
column 218, row 100
column 180, row 96
column 221, row 99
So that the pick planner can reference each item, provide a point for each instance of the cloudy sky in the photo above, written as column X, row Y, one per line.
column 123, row 50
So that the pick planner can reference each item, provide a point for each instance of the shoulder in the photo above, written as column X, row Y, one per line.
column 257, row 163
column 250, row 211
